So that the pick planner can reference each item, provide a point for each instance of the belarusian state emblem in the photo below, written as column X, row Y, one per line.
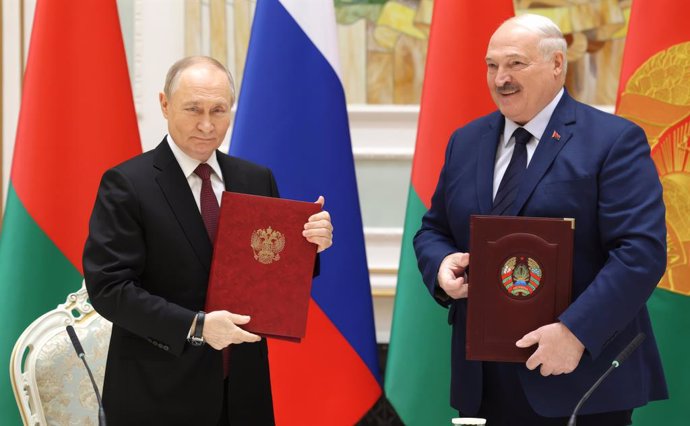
column 521, row 276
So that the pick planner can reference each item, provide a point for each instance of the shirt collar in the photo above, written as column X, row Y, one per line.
column 189, row 164
column 535, row 126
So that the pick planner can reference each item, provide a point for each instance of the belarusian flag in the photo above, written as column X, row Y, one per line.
column 77, row 119
column 417, row 379
column 654, row 92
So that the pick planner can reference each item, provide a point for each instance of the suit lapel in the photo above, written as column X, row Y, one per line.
column 237, row 178
column 176, row 190
column 485, row 163
column 549, row 146
column 233, row 181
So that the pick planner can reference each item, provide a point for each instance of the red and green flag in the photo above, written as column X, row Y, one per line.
column 654, row 92
column 417, row 380
column 76, row 120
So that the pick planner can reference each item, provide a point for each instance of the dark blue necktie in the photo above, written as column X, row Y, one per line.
column 510, row 183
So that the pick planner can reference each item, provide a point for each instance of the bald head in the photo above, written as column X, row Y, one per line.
column 525, row 66
column 197, row 101
column 173, row 77
column 551, row 38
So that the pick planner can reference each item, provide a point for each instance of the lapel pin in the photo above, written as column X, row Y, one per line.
column 555, row 135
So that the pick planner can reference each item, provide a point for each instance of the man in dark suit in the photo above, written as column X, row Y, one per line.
column 147, row 260
column 545, row 154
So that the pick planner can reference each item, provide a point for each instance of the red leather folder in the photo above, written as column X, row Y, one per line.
column 262, row 265
column 519, row 280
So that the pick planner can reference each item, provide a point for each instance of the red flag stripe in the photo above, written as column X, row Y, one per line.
column 300, row 374
column 453, row 92
column 645, row 18
column 77, row 117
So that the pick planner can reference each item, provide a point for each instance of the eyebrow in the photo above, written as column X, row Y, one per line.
column 511, row 56
column 194, row 103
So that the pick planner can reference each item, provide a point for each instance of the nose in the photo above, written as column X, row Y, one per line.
column 205, row 125
column 502, row 77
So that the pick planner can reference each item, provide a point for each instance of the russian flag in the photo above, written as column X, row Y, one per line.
column 292, row 118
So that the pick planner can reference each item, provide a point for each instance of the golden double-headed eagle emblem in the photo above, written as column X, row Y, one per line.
column 267, row 244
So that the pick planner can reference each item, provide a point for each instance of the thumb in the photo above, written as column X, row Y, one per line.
column 320, row 201
column 239, row 319
column 528, row 340
column 464, row 260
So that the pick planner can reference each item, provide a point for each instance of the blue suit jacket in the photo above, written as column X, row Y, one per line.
column 599, row 172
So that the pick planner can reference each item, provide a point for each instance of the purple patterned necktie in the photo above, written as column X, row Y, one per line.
column 209, row 203
column 209, row 213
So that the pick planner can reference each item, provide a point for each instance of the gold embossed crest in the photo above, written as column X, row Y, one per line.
column 266, row 244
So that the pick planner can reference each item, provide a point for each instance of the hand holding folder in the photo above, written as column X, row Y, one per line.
column 521, row 280
column 262, row 264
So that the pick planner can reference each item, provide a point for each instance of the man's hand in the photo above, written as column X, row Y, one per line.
column 221, row 329
column 559, row 350
column 318, row 229
column 451, row 275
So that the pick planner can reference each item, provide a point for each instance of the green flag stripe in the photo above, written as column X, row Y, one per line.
column 671, row 322
column 34, row 278
column 417, row 381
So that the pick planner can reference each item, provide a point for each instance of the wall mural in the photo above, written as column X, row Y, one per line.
column 383, row 43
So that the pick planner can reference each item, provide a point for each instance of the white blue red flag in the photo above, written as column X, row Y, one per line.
column 292, row 118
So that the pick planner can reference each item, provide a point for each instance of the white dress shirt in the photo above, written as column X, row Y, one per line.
column 189, row 164
column 506, row 144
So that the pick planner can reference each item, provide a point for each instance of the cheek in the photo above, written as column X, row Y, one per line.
column 185, row 124
column 534, row 85
column 222, row 123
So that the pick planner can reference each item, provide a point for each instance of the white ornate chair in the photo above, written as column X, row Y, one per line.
column 49, row 381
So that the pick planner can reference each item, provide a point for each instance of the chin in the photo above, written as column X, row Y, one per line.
column 514, row 112
column 206, row 155
column 510, row 114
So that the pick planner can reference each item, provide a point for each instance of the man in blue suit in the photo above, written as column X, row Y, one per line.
column 558, row 158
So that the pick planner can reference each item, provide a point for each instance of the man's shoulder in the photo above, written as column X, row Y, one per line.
column 482, row 124
column 240, row 165
column 588, row 115
column 137, row 163
column 141, row 165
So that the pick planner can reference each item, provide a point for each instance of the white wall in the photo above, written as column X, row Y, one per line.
column 11, row 90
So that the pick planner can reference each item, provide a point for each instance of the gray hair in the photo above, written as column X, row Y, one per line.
column 173, row 76
column 551, row 37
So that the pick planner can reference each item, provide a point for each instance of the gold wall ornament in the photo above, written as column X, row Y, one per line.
column 595, row 31
column 266, row 244
column 657, row 98
column 383, row 43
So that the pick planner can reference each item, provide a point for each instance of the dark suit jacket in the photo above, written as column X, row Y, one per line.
column 599, row 172
column 146, row 264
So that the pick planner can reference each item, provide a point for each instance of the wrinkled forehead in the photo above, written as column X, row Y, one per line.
column 201, row 75
column 203, row 83
column 512, row 39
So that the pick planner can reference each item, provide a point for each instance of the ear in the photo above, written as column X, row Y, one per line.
column 164, row 104
column 558, row 62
